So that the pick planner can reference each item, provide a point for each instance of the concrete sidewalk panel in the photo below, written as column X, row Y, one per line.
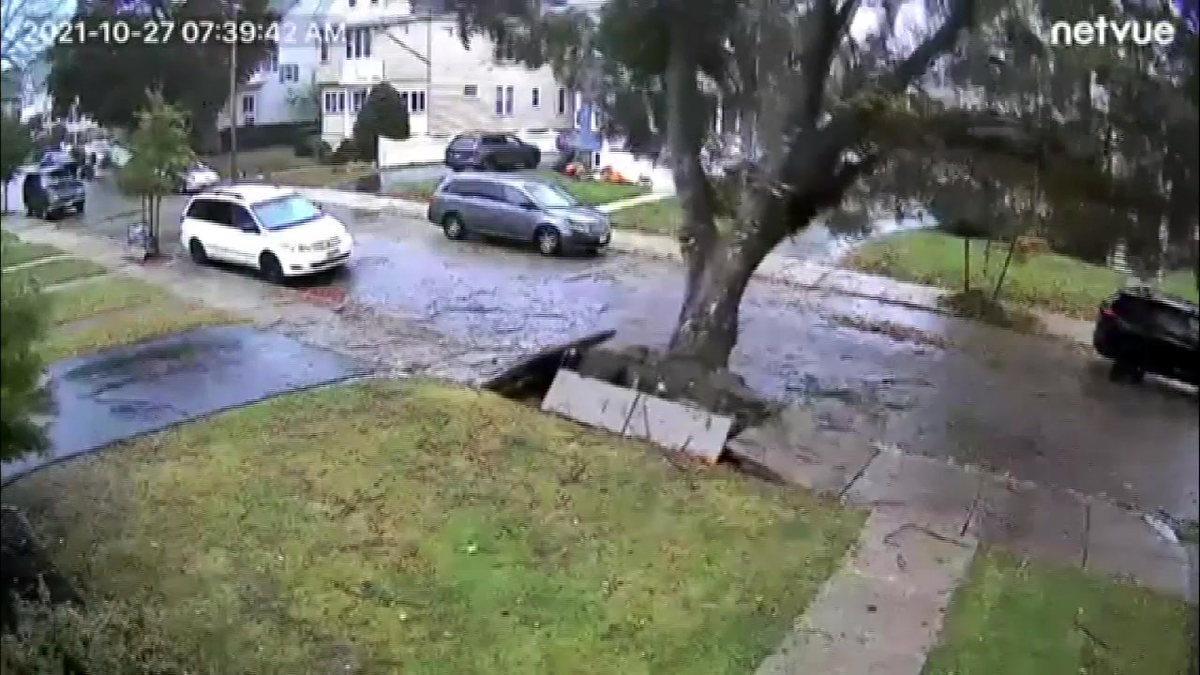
column 1041, row 522
column 675, row 426
column 793, row 447
column 944, row 493
column 1121, row 544
column 882, row 611
column 592, row 402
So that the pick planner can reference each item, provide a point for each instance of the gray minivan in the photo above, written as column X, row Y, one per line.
column 520, row 208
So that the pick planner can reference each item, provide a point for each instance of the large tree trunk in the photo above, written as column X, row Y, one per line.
column 707, row 329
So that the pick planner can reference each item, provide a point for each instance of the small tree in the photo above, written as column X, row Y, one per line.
column 21, row 393
column 159, row 155
column 383, row 114
column 13, row 152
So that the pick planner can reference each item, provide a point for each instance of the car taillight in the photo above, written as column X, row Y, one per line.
column 1109, row 312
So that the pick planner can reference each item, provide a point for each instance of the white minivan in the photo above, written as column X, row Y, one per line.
column 275, row 230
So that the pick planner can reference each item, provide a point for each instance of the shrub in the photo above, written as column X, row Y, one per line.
column 21, row 326
column 383, row 114
column 109, row 638
column 347, row 152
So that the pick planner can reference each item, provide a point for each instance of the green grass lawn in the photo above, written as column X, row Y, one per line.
column 661, row 217
column 117, row 311
column 53, row 272
column 1051, row 281
column 1013, row 618
column 102, row 313
column 15, row 252
column 592, row 193
column 423, row 528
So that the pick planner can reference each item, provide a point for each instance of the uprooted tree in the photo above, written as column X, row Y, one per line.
column 823, row 111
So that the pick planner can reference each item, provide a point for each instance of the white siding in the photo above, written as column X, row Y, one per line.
column 275, row 97
column 453, row 73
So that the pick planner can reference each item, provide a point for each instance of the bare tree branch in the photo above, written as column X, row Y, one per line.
column 827, row 29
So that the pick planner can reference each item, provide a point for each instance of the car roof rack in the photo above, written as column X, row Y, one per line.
column 226, row 193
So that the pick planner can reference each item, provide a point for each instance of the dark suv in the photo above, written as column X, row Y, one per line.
column 491, row 152
column 51, row 190
column 1144, row 331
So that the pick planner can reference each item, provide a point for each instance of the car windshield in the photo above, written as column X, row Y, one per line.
column 284, row 212
column 551, row 196
column 59, row 174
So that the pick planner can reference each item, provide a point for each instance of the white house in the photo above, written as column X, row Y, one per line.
column 449, row 88
column 283, row 90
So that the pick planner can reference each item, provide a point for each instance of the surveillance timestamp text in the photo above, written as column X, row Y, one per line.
column 191, row 31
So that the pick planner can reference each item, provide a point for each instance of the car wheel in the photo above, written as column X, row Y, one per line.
column 453, row 226
column 490, row 164
column 548, row 241
column 196, row 250
column 79, row 208
column 272, row 271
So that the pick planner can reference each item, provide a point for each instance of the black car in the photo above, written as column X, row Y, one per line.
column 50, row 190
column 1145, row 331
column 491, row 152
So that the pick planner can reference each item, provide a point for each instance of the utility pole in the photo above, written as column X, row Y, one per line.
column 233, row 103
column 428, row 70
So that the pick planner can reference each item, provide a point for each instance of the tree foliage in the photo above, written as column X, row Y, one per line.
column 20, row 22
column 109, row 81
column 827, row 113
column 383, row 114
column 22, row 396
column 14, row 151
column 160, row 153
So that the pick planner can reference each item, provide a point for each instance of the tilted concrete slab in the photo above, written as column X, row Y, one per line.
column 793, row 447
column 882, row 611
column 675, row 426
column 1033, row 521
column 945, row 493
column 1121, row 544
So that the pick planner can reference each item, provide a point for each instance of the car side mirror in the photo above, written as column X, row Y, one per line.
column 529, row 206
column 249, row 228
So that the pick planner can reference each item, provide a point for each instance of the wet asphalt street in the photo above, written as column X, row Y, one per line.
column 1038, row 409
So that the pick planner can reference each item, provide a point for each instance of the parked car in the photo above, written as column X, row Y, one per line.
column 491, row 152
column 272, row 229
column 520, row 208
column 50, row 190
column 198, row 176
column 1145, row 331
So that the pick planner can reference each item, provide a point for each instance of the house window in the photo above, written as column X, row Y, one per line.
column 471, row 91
column 273, row 63
column 414, row 101
column 334, row 102
column 248, row 108
column 352, row 3
column 358, row 43
column 357, row 98
column 289, row 72
column 535, row 98
column 504, row 101
column 561, row 108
